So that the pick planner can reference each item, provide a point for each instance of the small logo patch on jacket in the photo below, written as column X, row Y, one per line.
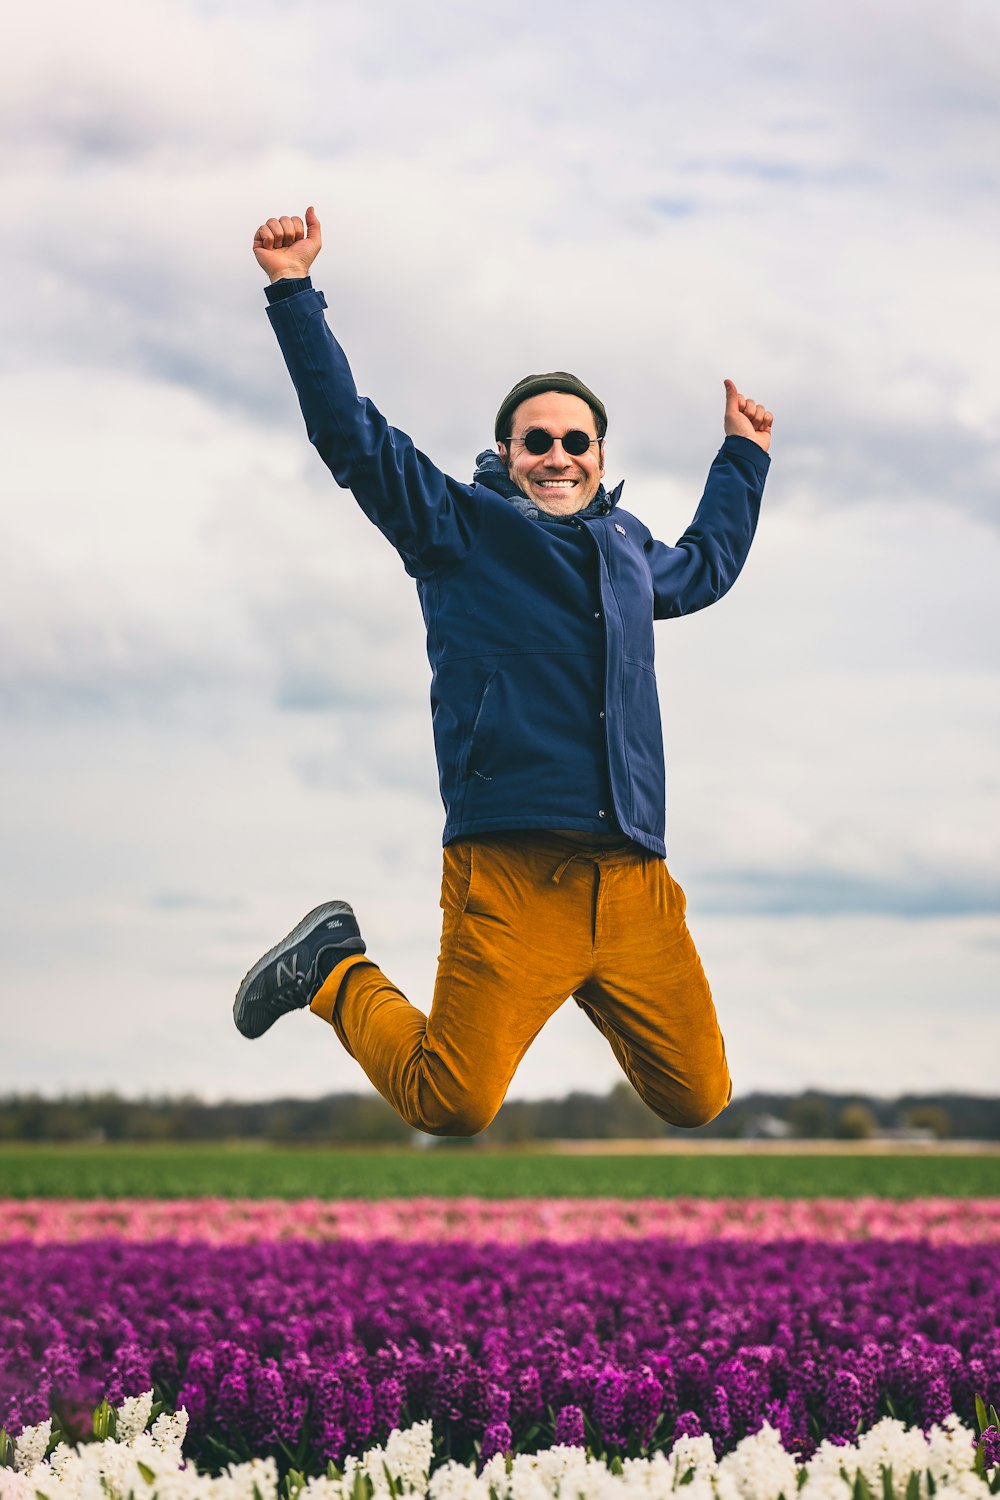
column 621, row 529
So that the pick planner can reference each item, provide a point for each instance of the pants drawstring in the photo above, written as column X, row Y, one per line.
column 560, row 872
column 594, row 856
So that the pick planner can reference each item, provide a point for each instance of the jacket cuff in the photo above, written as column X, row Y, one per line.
column 744, row 447
column 287, row 286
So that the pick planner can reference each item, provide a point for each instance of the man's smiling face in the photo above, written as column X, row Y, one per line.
column 560, row 483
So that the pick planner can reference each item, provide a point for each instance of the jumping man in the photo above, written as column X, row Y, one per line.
column 539, row 594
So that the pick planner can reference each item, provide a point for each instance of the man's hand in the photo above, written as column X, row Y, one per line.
column 286, row 246
column 746, row 417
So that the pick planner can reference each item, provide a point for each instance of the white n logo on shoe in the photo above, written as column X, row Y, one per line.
column 288, row 968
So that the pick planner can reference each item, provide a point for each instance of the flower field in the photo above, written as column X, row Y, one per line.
column 141, row 1462
column 306, row 1334
column 237, row 1221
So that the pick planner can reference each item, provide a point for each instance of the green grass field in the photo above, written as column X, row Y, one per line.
column 260, row 1172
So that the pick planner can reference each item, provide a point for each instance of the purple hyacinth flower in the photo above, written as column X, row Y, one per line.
column 232, row 1403
column 497, row 1438
column 936, row 1400
column 718, row 1420
column 268, row 1401
column 609, row 1408
column 195, row 1399
column 990, row 1440
column 497, row 1403
column 688, row 1424
column 843, row 1407
column 569, row 1428
column 694, row 1378
column 359, row 1412
column 792, row 1334
column 643, row 1404
column 790, row 1420
column 389, row 1396
column 129, row 1374
column 526, row 1402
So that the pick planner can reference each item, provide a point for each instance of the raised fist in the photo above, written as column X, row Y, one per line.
column 746, row 417
column 286, row 246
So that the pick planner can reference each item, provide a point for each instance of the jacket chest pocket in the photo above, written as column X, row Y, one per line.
column 633, row 587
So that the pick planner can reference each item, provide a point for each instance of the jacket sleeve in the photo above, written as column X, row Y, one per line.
column 707, row 559
column 430, row 519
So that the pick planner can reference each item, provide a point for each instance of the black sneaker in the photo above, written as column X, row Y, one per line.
column 290, row 975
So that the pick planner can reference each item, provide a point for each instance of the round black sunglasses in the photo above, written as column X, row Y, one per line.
column 537, row 441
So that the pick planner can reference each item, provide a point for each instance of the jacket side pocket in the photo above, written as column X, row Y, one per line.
column 477, row 738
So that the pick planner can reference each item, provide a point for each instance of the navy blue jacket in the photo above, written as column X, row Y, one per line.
column 539, row 632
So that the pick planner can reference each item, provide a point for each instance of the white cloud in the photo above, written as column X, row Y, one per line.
column 838, row 258
column 820, row 1002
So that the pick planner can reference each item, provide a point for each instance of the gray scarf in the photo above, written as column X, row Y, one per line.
column 490, row 471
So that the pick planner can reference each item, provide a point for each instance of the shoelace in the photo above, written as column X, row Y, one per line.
column 298, row 984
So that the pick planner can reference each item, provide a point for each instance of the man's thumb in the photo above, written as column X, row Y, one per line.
column 732, row 399
column 312, row 224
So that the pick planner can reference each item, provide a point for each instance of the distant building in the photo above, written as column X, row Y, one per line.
column 767, row 1128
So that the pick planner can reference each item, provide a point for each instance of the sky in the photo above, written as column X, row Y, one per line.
column 213, row 684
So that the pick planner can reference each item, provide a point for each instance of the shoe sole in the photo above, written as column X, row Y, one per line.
column 311, row 920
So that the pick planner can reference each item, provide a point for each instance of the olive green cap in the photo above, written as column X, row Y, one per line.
column 534, row 385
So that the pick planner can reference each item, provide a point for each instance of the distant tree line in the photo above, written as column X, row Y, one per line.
column 365, row 1118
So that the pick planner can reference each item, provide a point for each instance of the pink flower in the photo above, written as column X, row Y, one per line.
column 222, row 1221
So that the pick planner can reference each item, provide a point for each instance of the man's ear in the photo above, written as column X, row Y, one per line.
column 502, row 450
column 600, row 449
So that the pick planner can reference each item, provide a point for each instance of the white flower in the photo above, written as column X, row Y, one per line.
column 133, row 1416
column 351, row 1467
column 117, row 1467
column 455, row 1481
column 525, row 1481
column 322, row 1488
column 61, row 1455
column 828, row 1460
column 701, row 1487
column 184, row 1484
column 825, row 1486
column 408, row 1455
column 693, row 1453
column 61, row 1472
column 559, row 1470
column 655, row 1479
column 372, row 1463
column 949, row 1451
column 495, row 1476
column 758, row 1469
column 169, row 1431
column 255, row 1480
column 81, row 1480
column 889, row 1445
column 15, row 1486
column 30, row 1446
column 963, row 1487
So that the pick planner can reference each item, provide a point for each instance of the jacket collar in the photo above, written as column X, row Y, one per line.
column 490, row 472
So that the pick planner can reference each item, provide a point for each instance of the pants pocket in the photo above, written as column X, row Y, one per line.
column 456, row 876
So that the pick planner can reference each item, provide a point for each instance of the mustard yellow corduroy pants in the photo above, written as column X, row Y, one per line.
column 529, row 920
